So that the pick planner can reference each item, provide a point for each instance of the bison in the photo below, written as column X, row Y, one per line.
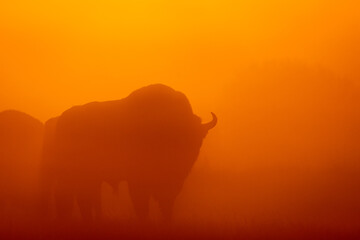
column 20, row 152
column 150, row 139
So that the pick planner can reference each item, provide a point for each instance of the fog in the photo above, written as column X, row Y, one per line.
column 283, row 78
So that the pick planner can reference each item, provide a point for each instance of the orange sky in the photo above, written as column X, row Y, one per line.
column 60, row 53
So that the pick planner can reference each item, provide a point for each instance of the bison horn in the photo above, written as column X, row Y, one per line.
column 210, row 125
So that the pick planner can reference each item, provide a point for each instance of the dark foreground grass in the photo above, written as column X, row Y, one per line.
column 52, row 230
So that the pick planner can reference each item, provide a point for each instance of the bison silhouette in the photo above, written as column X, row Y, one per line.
column 150, row 139
column 20, row 153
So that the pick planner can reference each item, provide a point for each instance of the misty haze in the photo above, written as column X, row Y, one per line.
column 191, row 119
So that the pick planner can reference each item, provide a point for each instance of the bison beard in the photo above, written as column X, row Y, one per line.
column 150, row 139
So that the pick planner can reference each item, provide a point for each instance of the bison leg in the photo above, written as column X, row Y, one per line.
column 166, row 204
column 166, row 196
column 64, row 199
column 89, row 200
column 140, row 196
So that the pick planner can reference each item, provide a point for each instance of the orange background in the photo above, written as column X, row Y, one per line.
column 60, row 53
column 251, row 62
